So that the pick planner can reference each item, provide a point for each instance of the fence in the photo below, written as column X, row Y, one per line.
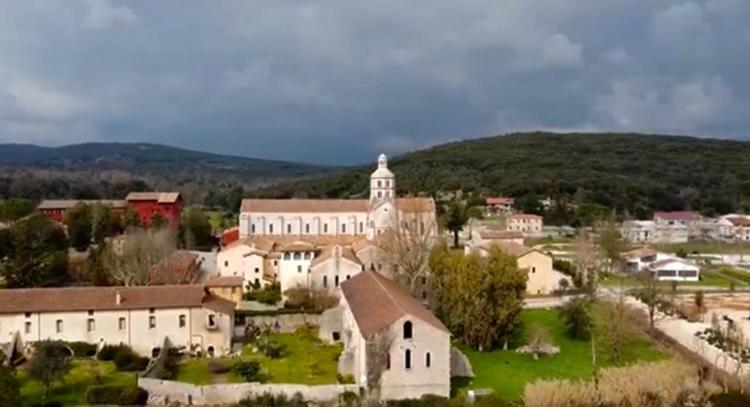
column 164, row 392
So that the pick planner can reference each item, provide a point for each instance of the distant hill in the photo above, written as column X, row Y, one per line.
column 634, row 173
column 93, row 170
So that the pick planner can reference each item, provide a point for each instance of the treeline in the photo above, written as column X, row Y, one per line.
column 632, row 174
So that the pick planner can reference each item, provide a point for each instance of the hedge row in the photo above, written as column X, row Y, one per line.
column 116, row 394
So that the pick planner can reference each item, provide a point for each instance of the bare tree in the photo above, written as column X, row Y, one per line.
column 405, row 247
column 378, row 350
column 651, row 294
column 587, row 257
column 141, row 250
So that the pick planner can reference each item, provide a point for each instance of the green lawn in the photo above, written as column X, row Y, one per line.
column 73, row 389
column 742, row 276
column 708, row 278
column 306, row 360
column 507, row 372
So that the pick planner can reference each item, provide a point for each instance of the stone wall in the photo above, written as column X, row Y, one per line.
column 287, row 322
column 164, row 392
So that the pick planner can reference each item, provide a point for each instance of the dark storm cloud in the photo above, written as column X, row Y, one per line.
column 338, row 81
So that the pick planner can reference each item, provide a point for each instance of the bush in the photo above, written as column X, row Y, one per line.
column 82, row 349
column 577, row 319
column 733, row 399
column 116, row 394
column 309, row 299
column 345, row 378
column 427, row 400
column 108, row 352
column 248, row 370
column 270, row 400
column 349, row 399
column 217, row 366
column 128, row 361
column 270, row 294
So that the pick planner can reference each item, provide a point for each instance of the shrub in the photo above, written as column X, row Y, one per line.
column 82, row 349
column 576, row 317
column 309, row 299
column 270, row 400
column 427, row 400
column 345, row 378
column 732, row 399
column 128, row 361
column 217, row 366
column 270, row 294
column 108, row 352
column 116, row 394
column 349, row 399
column 248, row 370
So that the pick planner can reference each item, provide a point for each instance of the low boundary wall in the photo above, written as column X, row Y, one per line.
column 164, row 392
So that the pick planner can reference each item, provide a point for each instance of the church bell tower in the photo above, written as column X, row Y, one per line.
column 382, row 183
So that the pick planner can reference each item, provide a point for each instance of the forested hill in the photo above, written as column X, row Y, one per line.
column 634, row 173
column 111, row 170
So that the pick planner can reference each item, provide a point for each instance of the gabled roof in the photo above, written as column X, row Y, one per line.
column 677, row 215
column 377, row 303
column 160, row 197
column 513, row 249
column 639, row 253
column 304, row 205
column 663, row 262
column 297, row 246
column 499, row 200
column 415, row 204
column 739, row 221
column 525, row 216
column 69, row 203
column 225, row 281
column 70, row 299
column 330, row 253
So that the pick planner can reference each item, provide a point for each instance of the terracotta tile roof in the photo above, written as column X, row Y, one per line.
column 330, row 252
column 525, row 216
column 225, row 281
column 362, row 244
column 513, row 249
column 69, row 299
column 69, row 203
column 377, row 302
column 677, row 215
column 415, row 204
column 491, row 234
column 739, row 221
column 499, row 200
column 304, row 205
column 298, row 246
column 219, row 304
column 179, row 268
column 161, row 197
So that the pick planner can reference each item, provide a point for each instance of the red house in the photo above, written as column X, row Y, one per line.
column 146, row 204
column 55, row 208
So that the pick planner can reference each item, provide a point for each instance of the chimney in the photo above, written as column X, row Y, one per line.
column 118, row 298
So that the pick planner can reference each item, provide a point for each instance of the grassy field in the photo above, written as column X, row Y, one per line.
column 705, row 247
column 709, row 277
column 72, row 391
column 507, row 372
column 306, row 361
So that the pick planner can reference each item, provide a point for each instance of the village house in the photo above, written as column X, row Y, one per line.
column 662, row 266
column 499, row 204
column 229, row 288
column 666, row 227
column 145, row 204
column 377, row 313
column 141, row 317
column 319, row 243
column 527, row 224
column 542, row 278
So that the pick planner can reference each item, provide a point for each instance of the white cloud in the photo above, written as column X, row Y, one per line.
column 44, row 102
column 679, row 23
column 103, row 14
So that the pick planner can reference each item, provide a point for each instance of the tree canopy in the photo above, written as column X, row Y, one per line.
column 36, row 254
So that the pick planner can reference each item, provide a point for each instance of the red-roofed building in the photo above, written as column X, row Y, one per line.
column 181, row 267
column 499, row 204
column 230, row 235
column 147, row 204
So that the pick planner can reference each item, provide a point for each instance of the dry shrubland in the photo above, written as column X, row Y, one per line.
column 664, row 384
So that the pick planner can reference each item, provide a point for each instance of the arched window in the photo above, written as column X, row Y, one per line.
column 388, row 360
column 427, row 359
column 407, row 359
column 408, row 330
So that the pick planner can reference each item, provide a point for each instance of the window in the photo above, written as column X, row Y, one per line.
column 297, row 256
column 270, row 229
column 424, row 295
column 388, row 360
column 533, row 269
column 287, row 256
column 407, row 359
column 343, row 228
column 325, row 281
column 91, row 312
column 307, row 255
column 226, row 263
column 307, row 228
column 90, row 325
column 252, row 229
column 361, row 227
column 181, row 321
column 427, row 359
column 28, row 315
column 152, row 322
column 299, row 269
column 336, row 281
column 408, row 328
column 380, row 183
column 380, row 194
column 27, row 327
column 211, row 320
column 59, row 326
column 289, row 229
column 257, row 282
column 121, row 323
column 325, row 228
column 151, row 310
column 424, row 280
column 347, row 276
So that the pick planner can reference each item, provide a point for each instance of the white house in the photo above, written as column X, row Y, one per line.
column 140, row 317
column 528, row 224
column 290, row 234
column 379, row 313
column 649, row 231
column 663, row 266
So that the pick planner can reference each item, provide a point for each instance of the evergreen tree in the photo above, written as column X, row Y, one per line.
column 37, row 254
column 78, row 221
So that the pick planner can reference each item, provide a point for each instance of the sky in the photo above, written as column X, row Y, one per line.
column 339, row 81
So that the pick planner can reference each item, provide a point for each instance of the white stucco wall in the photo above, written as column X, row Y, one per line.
column 302, row 223
column 332, row 272
column 293, row 272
